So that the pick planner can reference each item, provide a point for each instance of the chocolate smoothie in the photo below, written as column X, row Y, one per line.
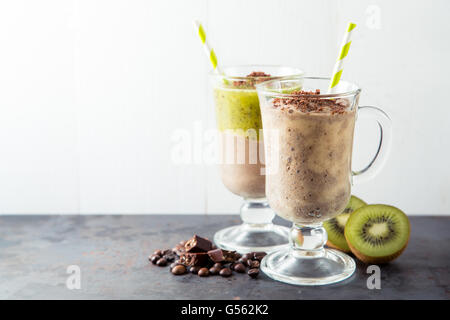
column 239, row 122
column 311, row 182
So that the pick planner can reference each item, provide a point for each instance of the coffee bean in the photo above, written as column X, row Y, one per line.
column 243, row 260
column 161, row 262
column 169, row 257
column 253, row 264
column 214, row 271
column 158, row 253
column 179, row 269
column 253, row 273
column 194, row 269
column 203, row 272
column 259, row 255
column 217, row 265
column 166, row 252
column 248, row 255
column 225, row 272
column 239, row 267
column 153, row 258
column 174, row 264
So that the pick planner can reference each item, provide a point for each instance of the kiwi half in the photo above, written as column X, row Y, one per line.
column 377, row 233
column 335, row 226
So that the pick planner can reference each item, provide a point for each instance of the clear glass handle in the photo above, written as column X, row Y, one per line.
column 385, row 125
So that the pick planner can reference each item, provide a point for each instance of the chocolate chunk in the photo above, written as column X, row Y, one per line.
column 230, row 256
column 198, row 244
column 194, row 259
column 219, row 255
column 216, row 255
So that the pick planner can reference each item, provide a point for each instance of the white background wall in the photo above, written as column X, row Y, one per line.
column 92, row 91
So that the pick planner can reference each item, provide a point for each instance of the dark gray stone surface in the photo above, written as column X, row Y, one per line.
column 112, row 252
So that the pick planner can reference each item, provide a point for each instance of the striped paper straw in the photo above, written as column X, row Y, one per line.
column 208, row 50
column 338, row 67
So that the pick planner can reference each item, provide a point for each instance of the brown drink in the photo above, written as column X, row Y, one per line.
column 308, row 138
column 315, row 136
column 242, row 166
column 243, row 176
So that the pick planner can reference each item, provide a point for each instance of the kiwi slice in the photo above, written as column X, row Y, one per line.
column 377, row 233
column 335, row 226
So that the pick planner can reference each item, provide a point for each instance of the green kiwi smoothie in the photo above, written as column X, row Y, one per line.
column 237, row 110
column 239, row 121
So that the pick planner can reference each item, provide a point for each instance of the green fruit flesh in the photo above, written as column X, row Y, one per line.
column 377, row 230
column 335, row 226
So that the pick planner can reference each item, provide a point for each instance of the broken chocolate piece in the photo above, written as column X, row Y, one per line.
column 219, row 255
column 198, row 244
column 230, row 256
column 216, row 255
column 198, row 259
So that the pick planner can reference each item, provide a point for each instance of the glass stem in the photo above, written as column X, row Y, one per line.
column 308, row 240
column 256, row 212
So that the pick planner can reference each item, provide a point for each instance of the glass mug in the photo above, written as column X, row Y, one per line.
column 238, row 118
column 308, row 141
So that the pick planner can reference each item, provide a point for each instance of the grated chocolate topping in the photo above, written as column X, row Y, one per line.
column 253, row 78
column 309, row 102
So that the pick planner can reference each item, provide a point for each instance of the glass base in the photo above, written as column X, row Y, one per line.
column 246, row 238
column 308, row 268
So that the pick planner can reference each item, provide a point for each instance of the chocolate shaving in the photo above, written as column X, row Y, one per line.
column 307, row 101
column 253, row 78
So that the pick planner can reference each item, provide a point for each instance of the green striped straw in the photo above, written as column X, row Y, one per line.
column 208, row 50
column 338, row 67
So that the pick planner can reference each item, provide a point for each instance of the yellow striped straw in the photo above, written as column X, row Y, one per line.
column 338, row 67
column 208, row 50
